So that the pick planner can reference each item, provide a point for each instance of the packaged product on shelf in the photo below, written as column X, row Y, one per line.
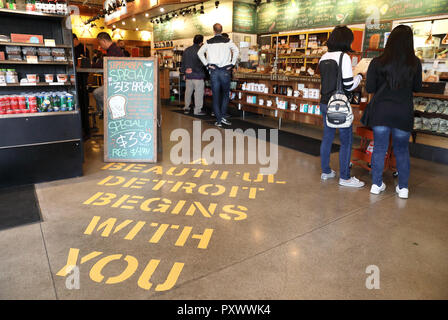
column 32, row 78
column 11, row 76
column 62, row 77
column 46, row 58
column 49, row 78
column 14, row 57
column 2, row 75
column 30, row 5
column 44, row 51
column 29, row 51
column 2, row 55
column 12, row 50
column 317, row 109
column 60, row 59
column 58, row 52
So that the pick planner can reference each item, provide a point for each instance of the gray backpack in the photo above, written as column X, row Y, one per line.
column 339, row 110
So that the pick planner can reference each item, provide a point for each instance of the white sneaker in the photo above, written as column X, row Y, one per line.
column 402, row 193
column 376, row 190
column 353, row 182
column 326, row 176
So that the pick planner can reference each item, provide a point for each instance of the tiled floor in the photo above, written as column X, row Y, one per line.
column 299, row 238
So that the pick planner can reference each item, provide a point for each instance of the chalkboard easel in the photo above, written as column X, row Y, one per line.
column 131, row 105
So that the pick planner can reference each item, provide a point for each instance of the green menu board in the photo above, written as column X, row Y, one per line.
column 298, row 14
column 130, row 109
column 244, row 17
column 374, row 38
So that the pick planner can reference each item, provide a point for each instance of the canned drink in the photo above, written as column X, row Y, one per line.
column 14, row 102
column 2, row 105
column 70, row 105
column 21, row 102
column 63, row 102
column 7, row 103
column 46, row 103
column 32, row 103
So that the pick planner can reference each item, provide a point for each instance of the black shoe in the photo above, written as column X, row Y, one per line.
column 200, row 114
column 226, row 122
column 218, row 124
column 186, row 111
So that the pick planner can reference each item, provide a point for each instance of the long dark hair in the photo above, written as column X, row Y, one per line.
column 398, row 61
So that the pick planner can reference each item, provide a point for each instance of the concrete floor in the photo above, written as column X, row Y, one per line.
column 300, row 238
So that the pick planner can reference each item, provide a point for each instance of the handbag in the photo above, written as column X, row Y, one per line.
column 367, row 114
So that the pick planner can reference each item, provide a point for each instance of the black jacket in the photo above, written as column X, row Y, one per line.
column 191, row 60
column 393, row 108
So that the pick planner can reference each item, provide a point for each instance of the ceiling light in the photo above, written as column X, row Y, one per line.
column 162, row 10
column 146, row 15
column 133, row 19
column 136, row 29
column 123, row 23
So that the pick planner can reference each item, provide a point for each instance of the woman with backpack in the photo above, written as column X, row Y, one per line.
column 339, row 43
column 393, row 77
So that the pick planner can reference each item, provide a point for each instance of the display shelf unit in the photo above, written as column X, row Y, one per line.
column 37, row 45
column 62, row 63
column 38, row 84
column 38, row 147
column 21, row 13
column 429, row 116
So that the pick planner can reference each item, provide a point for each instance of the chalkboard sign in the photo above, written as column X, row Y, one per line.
column 375, row 37
column 293, row 15
column 130, row 109
column 244, row 17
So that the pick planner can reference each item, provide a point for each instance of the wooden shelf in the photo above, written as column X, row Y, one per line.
column 39, row 45
column 37, row 114
column 431, row 133
column 274, row 108
column 32, row 13
column 277, row 95
column 40, row 62
column 430, row 115
column 431, row 95
column 38, row 84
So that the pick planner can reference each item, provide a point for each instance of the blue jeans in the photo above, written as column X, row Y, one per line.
column 220, row 83
column 345, row 152
column 400, row 142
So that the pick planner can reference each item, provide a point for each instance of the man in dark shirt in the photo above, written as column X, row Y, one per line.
column 121, row 44
column 194, row 72
column 79, row 48
column 106, row 43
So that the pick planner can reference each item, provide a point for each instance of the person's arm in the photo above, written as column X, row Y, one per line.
column 371, row 77
column 201, row 54
column 349, row 82
column 235, row 52
column 417, row 85
column 182, row 63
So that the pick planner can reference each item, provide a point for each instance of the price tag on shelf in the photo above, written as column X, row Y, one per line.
column 31, row 59
column 55, row 83
column 50, row 42
column 28, row 84
column 276, row 113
